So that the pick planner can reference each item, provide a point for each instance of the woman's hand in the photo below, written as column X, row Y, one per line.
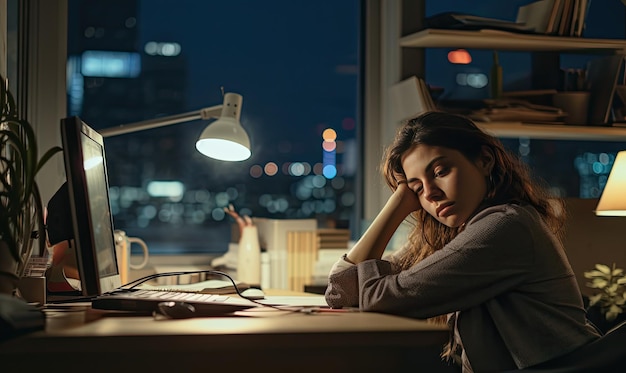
column 405, row 199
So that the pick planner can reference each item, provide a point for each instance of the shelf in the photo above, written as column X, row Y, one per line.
column 502, row 40
column 554, row 131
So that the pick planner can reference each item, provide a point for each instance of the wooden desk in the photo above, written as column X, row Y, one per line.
column 324, row 342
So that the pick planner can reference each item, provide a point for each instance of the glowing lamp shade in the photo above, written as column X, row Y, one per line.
column 613, row 199
column 225, row 139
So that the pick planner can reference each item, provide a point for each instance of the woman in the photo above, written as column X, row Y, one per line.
column 484, row 255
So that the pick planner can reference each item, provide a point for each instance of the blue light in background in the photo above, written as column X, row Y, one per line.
column 110, row 64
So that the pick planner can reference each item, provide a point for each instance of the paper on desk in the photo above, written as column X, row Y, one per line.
column 294, row 300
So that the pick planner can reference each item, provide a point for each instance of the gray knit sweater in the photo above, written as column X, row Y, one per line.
column 506, row 279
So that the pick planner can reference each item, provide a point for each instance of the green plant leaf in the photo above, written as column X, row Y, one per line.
column 46, row 157
column 599, row 283
column 603, row 269
column 595, row 273
column 594, row 299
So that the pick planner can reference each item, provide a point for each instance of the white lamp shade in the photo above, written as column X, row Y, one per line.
column 225, row 139
column 613, row 199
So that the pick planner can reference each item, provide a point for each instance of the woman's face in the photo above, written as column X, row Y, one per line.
column 449, row 186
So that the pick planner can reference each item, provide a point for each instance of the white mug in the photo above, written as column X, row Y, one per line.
column 122, row 252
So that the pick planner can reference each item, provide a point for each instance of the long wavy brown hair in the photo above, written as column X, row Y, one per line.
column 510, row 179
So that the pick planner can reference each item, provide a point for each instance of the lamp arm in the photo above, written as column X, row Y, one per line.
column 205, row 113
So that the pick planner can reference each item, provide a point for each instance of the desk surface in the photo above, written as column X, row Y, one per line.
column 274, row 339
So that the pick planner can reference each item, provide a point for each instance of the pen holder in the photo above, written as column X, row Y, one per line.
column 575, row 104
column 249, row 257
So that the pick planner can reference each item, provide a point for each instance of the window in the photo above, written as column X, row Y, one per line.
column 11, row 45
column 296, row 64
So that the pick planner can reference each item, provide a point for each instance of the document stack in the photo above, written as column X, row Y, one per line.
column 273, row 239
column 301, row 254
column 312, row 253
column 332, row 244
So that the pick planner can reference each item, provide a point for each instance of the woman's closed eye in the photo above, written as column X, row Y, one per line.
column 417, row 186
column 441, row 171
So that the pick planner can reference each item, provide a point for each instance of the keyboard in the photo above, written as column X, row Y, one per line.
column 146, row 301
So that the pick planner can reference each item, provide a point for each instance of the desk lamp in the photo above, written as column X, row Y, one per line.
column 225, row 139
column 613, row 199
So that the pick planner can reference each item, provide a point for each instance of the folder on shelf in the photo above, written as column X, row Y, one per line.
column 602, row 75
column 410, row 98
column 539, row 15
column 464, row 21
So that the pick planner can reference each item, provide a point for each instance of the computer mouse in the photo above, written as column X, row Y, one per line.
column 253, row 293
column 177, row 310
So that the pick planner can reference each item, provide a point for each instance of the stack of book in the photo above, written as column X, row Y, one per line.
column 273, row 239
column 311, row 254
column 332, row 244
column 555, row 17
column 332, row 238
column 301, row 256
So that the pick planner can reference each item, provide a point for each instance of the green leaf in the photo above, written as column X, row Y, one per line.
column 599, row 283
column 595, row 273
column 594, row 299
column 603, row 268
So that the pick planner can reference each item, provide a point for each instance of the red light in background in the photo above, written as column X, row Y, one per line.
column 459, row 57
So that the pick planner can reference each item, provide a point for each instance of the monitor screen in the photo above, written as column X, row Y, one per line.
column 92, row 221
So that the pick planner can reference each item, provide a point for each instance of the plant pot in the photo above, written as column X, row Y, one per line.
column 596, row 316
column 8, row 271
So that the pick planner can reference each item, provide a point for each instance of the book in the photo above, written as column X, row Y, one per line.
column 566, row 15
column 537, row 15
column 555, row 17
column 574, row 17
column 332, row 238
column 302, row 254
column 410, row 98
column 583, row 8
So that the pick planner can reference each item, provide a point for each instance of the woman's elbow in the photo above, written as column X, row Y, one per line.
column 337, row 297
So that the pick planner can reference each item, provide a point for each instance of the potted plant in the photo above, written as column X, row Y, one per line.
column 609, row 302
column 21, row 207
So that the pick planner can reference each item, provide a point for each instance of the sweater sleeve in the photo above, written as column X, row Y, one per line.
column 345, row 272
column 491, row 256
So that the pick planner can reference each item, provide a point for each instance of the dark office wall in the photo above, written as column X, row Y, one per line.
column 590, row 239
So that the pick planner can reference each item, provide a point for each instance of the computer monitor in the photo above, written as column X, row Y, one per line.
column 92, row 221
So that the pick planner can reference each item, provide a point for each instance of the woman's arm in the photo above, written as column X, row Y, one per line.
column 375, row 239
